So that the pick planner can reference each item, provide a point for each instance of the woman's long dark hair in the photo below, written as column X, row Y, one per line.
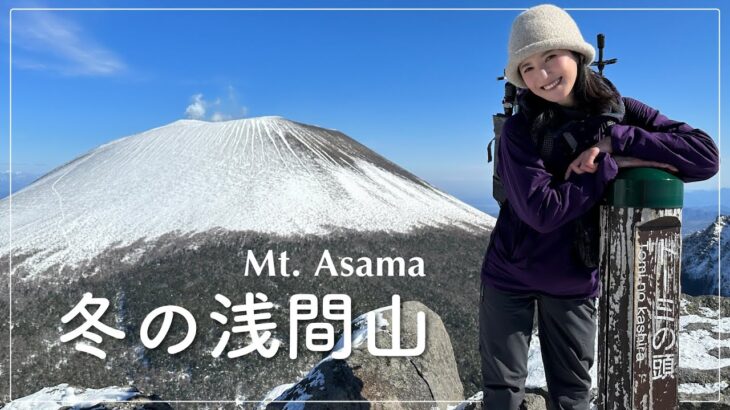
column 592, row 93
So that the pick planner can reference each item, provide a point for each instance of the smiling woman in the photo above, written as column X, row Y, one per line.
column 562, row 66
column 571, row 134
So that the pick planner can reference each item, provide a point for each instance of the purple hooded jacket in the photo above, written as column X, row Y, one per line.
column 530, row 249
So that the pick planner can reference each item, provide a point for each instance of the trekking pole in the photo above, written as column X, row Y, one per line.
column 510, row 93
column 601, row 40
column 498, row 120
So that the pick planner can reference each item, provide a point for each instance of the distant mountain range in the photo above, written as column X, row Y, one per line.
column 701, row 273
column 20, row 180
column 701, row 208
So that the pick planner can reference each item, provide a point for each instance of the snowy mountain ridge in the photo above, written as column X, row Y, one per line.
column 265, row 174
column 700, row 268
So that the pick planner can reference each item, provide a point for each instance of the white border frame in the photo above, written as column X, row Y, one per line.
column 10, row 157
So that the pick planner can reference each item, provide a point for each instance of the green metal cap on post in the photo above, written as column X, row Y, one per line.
column 645, row 188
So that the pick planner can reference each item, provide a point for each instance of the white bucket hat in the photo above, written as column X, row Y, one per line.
column 541, row 28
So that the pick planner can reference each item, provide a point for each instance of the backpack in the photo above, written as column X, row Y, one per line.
column 587, row 232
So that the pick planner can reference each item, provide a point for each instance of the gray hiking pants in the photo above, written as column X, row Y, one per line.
column 567, row 331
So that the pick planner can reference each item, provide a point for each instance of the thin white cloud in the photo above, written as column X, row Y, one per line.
column 237, row 110
column 196, row 110
column 225, row 109
column 218, row 116
column 48, row 40
column 25, row 64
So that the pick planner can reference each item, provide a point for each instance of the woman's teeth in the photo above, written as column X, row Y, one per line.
column 552, row 85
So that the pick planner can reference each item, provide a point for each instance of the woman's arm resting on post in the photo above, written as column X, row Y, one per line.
column 540, row 200
column 585, row 161
column 654, row 137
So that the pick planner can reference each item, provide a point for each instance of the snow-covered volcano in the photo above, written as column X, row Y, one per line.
column 265, row 174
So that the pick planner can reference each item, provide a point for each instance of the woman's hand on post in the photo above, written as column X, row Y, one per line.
column 632, row 162
column 585, row 161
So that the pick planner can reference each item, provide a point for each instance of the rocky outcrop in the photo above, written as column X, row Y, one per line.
column 65, row 397
column 417, row 382
column 399, row 381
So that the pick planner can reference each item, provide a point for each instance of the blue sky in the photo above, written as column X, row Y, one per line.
column 418, row 87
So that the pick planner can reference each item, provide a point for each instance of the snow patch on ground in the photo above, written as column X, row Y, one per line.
column 695, row 345
column 694, row 349
column 696, row 388
column 54, row 398
column 273, row 394
column 719, row 325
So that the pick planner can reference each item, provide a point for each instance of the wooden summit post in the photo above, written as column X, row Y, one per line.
column 638, row 323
